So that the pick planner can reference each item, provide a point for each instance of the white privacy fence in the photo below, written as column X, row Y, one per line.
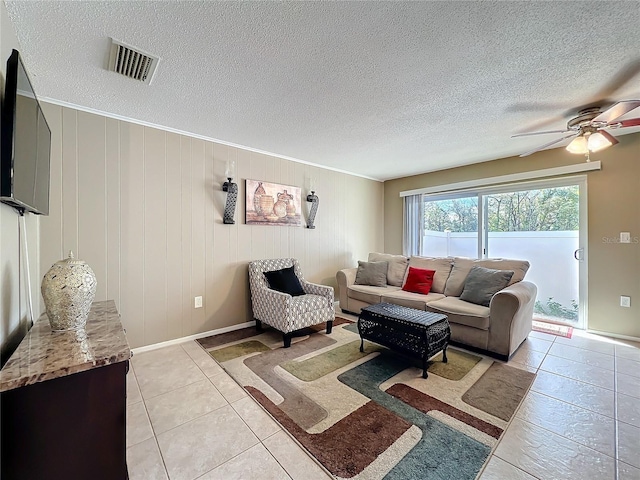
column 553, row 267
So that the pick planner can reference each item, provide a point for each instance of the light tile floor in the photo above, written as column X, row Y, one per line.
column 581, row 418
column 187, row 419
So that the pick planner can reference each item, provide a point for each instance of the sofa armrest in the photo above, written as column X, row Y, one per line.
column 322, row 290
column 345, row 278
column 511, row 313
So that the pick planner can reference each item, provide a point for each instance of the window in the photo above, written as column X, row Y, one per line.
column 536, row 221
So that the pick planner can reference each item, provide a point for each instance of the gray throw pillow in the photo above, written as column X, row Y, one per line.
column 483, row 283
column 372, row 273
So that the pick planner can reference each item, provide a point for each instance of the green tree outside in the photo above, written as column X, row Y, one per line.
column 546, row 210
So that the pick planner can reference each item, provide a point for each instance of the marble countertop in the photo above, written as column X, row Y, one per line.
column 44, row 354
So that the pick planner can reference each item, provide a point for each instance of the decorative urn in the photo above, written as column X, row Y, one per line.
column 68, row 289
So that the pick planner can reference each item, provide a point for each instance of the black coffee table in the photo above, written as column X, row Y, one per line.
column 409, row 331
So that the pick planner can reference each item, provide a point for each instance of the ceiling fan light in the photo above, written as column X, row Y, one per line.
column 578, row 145
column 597, row 141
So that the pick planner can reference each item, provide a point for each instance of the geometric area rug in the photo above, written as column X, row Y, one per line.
column 371, row 415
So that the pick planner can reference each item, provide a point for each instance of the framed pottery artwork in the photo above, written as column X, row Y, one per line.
column 273, row 204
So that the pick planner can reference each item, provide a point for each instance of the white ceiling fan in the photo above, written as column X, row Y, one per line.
column 589, row 128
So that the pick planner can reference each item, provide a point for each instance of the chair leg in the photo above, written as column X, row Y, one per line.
column 286, row 337
column 258, row 325
column 329, row 326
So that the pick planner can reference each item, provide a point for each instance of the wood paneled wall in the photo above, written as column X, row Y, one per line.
column 143, row 207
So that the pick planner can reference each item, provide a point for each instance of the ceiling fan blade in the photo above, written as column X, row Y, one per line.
column 632, row 122
column 619, row 80
column 542, row 147
column 553, row 121
column 617, row 110
column 538, row 133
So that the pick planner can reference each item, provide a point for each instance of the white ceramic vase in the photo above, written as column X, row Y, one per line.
column 68, row 289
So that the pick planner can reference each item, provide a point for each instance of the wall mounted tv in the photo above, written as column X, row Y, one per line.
column 26, row 144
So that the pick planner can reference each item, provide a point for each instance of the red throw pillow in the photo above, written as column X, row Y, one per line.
column 419, row 280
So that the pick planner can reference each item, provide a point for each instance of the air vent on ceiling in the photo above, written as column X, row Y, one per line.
column 132, row 62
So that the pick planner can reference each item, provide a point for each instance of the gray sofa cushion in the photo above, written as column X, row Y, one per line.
column 462, row 266
column 410, row 299
column 372, row 273
column 369, row 294
column 397, row 266
column 461, row 312
column 442, row 267
column 483, row 283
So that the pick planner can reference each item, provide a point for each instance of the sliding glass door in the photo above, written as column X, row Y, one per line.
column 451, row 226
column 542, row 222
column 541, row 225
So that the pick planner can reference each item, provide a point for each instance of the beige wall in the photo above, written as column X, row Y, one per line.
column 613, row 207
column 143, row 207
column 13, row 306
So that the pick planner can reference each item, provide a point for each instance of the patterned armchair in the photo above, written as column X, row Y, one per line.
column 282, row 311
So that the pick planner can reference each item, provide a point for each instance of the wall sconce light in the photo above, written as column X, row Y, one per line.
column 232, row 193
column 314, row 200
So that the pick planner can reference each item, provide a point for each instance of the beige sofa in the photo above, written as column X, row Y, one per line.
column 498, row 329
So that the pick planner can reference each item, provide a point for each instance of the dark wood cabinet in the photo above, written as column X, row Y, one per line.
column 65, row 417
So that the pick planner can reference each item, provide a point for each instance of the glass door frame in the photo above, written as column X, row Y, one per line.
column 483, row 231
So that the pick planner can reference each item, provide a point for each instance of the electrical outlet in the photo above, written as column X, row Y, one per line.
column 198, row 302
column 625, row 237
column 625, row 301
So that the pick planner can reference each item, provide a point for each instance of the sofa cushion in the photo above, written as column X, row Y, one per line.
column 462, row 266
column 483, row 283
column 372, row 273
column 442, row 267
column 369, row 294
column 397, row 266
column 409, row 299
column 461, row 312
column 419, row 280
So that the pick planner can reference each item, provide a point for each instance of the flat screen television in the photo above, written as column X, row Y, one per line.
column 26, row 144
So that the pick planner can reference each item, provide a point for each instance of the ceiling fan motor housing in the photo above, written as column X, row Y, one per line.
column 584, row 120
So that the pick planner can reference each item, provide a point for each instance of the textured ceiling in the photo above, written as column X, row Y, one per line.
column 378, row 89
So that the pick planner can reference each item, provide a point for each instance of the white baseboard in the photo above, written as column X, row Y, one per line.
column 614, row 335
column 177, row 341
